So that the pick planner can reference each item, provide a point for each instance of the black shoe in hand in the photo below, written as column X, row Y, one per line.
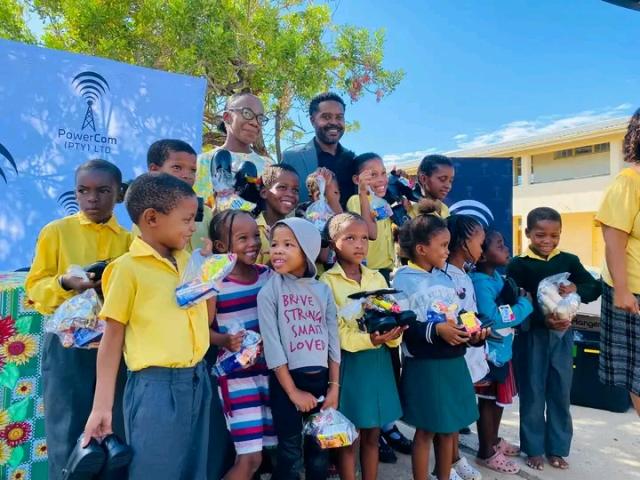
column 386, row 452
column 398, row 441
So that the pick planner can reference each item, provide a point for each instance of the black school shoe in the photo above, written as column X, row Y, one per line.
column 385, row 452
column 84, row 463
column 401, row 444
column 119, row 454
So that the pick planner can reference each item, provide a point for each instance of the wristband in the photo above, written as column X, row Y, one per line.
column 334, row 383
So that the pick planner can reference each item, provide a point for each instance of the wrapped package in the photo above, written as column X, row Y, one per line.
column 564, row 307
column 229, row 362
column 376, row 311
column 200, row 280
column 226, row 197
column 380, row 207
column 439, row 312
column 319, row 212
column 331, row 429
column 76, row 321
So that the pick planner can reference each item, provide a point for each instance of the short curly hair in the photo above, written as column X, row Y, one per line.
column 335, row 224
column 631, row 144
column 159, row 191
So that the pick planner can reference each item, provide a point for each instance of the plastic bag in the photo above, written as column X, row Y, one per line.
column 319, row 212
column 230, row 362
column 76, row 321
column 200, row 280
column 226, row 197
column 440, row 312
column 551, row 302
column 380, row 207
column 331, row 429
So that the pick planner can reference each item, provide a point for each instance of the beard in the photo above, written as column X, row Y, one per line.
column 323, row 136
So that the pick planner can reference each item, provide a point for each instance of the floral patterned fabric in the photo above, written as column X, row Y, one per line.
column 23, row 449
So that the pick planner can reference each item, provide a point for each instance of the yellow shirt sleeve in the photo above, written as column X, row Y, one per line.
column 621, row 204
column 119, row 288
column 43, row 280
column 353, row 204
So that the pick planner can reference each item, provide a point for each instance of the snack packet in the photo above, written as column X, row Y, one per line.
column 380, row 207
column 76, row 321
column 319, row 212
column 202, row 277
column 551, row 302
column 229, row 362
column 331, row 429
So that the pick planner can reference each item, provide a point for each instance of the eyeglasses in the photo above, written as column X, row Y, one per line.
column 249, row 114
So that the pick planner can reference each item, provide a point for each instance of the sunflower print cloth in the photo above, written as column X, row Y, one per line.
column 23, row 449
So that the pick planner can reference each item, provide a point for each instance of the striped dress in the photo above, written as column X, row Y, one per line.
column 245, row 393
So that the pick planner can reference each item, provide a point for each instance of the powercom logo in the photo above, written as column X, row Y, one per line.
column 4, row 153
column 68, row 202
column 475, row 209
column 94, row 90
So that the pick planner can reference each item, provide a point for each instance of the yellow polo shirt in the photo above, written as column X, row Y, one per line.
column 140, row 292
column 381, row 250
column 72, row 240
column 265, row 243
column 202, row 231
column 620, row 209
column 352, row 339
column 531, row 254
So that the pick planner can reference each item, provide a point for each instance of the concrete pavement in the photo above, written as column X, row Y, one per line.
column 605, row 446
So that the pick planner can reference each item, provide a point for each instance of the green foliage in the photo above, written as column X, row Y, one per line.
column 284, row 51
column 12, row 23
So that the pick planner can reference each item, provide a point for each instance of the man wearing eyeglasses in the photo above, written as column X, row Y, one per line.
column 326, row 112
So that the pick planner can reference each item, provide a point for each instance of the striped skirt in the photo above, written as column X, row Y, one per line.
column 619, row 345
column 245, row 399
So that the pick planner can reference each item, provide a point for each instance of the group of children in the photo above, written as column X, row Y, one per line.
column 289, row 284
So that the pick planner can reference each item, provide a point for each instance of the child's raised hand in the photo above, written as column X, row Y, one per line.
column 326, row 173
column 451, row 333
column 567, row 288
column 378, row 339
column 304, row 401
column 364, row 180
column 98, row 426
column 207, row 247
column 233, row 341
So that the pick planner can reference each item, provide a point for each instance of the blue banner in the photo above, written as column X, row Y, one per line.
column 483, row 188
column 59, row 109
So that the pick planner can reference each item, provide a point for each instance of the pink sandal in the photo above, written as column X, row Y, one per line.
column 507, row 449
column 499, row 463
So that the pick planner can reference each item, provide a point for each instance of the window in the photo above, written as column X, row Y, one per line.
column 584, row 150
column 601, row 147
column 563, row 153
column 517, row 171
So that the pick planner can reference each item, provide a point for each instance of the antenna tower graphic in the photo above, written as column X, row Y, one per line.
column 91, row 86
column 68, row 202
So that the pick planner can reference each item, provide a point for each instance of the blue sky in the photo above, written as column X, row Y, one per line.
column 480, row 72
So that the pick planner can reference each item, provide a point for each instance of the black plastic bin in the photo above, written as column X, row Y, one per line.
column 586, row 390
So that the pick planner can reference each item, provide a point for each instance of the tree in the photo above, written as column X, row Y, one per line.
column 12, row 24
column 284, row 51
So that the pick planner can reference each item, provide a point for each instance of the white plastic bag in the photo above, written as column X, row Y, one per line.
column 552, row 303
column 331, row 429
column 319, row 212
column 380, row 207
column 249, row 351
column 76, row 321
column 200, row 280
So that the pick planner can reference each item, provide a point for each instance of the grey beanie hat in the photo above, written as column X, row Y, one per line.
column 308, row 237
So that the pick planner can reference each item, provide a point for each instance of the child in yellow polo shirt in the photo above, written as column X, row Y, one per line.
column 373, row 174
column 178, row 158
column 368, row 397
column 168, row 392
column 81, row 239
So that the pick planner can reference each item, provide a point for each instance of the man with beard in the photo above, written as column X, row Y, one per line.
column 326, row 112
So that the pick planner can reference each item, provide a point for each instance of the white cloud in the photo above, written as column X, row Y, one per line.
column 520, row 129
column 399, row 159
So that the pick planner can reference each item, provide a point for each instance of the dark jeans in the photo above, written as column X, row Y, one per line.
column 288, row 421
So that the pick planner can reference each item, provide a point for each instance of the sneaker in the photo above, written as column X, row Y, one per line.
column 465, row 471
column 398, row 441
column 452, row 476
column 386, row 452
